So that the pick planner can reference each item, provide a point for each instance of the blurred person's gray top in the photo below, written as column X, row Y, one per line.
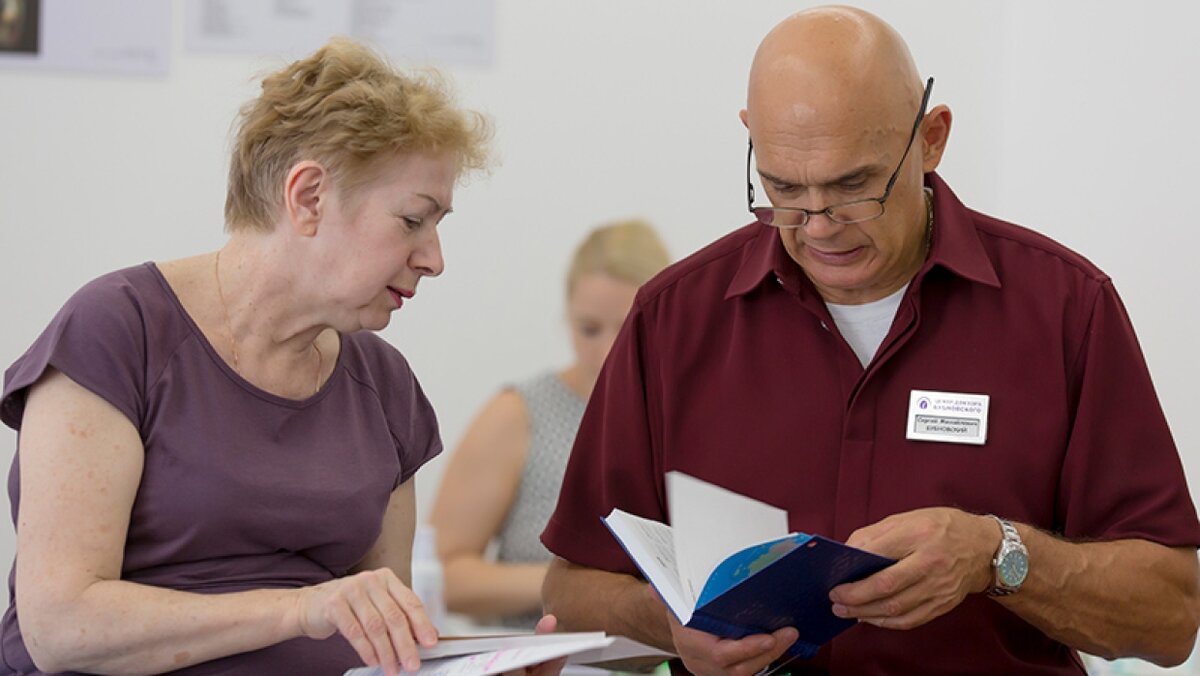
column 554, row 413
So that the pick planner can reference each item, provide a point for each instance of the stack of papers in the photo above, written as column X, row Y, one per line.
column 483, row 655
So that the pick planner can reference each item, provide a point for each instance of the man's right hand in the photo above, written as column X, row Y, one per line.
column 704, row 654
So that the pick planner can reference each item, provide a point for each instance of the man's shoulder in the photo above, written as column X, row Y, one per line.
column 712, row 266
column 1016, row 248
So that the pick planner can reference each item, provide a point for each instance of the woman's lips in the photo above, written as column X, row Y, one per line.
column 398, row 295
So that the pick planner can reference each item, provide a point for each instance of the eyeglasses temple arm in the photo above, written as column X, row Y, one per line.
column 749, row 183
column 916, row 125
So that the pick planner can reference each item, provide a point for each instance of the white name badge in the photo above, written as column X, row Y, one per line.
column 947, row 416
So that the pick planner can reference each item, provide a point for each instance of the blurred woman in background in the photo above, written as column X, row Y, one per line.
column 503, row 480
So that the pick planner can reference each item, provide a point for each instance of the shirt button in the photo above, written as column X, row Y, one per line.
column 824, row 325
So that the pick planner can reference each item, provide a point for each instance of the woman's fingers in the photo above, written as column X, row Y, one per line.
column 348, row 625
column 392, row 626
column 423, row 629
column 382, row 619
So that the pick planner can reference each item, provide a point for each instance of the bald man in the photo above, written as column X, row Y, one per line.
column 899, row 372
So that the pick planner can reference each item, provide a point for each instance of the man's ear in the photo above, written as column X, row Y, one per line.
column 935, row 131
column 743, row 118
column 306, row 193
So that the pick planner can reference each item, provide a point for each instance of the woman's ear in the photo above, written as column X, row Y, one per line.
column 306, row 194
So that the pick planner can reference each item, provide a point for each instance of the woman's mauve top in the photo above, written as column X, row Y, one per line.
column 240, row 489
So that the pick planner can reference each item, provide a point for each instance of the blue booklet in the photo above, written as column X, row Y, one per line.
column 721, row 571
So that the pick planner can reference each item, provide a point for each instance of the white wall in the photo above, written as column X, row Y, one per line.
column 1075, row 118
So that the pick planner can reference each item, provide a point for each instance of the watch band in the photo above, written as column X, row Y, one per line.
column 1007, row 530
column 1010, row 545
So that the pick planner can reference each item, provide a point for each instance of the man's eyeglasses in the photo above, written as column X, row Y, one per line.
column 847, row 212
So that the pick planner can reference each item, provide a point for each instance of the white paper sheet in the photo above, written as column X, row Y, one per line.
column 455, row 646
column 651, row 545
column 709, row 523
column 495, row 662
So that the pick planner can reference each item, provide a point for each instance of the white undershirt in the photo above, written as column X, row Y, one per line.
column 864, row 326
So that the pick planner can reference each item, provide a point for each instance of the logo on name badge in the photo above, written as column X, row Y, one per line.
column 953, row 417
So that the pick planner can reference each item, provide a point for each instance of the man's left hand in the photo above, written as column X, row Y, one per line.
column 546, row 625
column 942, row 555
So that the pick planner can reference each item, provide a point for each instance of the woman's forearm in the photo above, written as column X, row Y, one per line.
column 487, row 589
column 115, row 626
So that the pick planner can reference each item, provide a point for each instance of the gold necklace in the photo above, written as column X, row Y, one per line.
column 928, row 218
column 229, row 329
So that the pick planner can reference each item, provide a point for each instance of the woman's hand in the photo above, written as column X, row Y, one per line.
column 381, row 618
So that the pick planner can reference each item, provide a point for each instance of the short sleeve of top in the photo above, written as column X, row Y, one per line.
column 98, row 340
column 1122, row 476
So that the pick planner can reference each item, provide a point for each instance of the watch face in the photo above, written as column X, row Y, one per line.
column 1013, row 568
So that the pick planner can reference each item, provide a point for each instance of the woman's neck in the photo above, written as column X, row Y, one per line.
column 263, row 299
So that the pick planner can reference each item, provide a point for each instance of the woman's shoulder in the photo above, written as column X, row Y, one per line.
column 367, row 355
column 380, row 371
column 118, row 304
column 133, row 304
column 545, row 383
column 101, row 337
column 130, row 300
column 120, row 288
column 376, row 365
column 549, row 390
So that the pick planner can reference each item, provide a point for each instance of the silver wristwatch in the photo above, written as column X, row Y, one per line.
column 1011, row 564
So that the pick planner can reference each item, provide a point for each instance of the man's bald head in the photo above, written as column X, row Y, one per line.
column 832, row 101
column 833, row 63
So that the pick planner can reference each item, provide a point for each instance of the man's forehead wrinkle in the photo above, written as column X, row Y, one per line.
column 832, row 137
column 823, row 154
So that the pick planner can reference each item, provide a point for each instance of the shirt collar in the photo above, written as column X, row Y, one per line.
column 955, row 246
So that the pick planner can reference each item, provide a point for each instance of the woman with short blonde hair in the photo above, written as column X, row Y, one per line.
column 216, row 453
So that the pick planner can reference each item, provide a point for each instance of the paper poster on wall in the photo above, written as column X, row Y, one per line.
column 453, row 32
column 130, row 37
column 19, row 26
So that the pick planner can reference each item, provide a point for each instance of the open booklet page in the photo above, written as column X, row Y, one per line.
column 709, row 523
column 650, row 545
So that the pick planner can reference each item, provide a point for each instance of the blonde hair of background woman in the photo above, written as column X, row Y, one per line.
column 628, row 251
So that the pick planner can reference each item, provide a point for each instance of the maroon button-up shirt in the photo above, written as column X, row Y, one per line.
column 730, row 368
